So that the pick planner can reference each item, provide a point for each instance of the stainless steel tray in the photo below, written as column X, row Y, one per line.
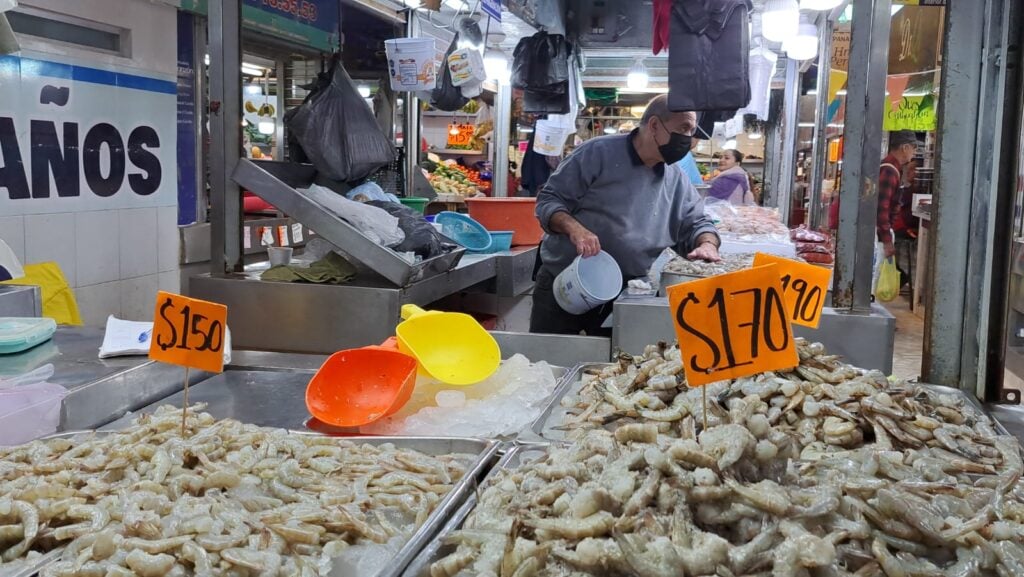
column 486, row 452
column 435, row 550
column 276, row 182
column 554, row 414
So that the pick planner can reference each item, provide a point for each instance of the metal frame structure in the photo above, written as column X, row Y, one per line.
column 820, row 146
column 501, row 140
column 411, row 130
column 225, row 31
column 869, row 60
column 787, row 166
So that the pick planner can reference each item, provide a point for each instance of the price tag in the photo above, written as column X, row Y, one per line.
column 732, row 325
column 189, row 332
column 463, row 134
column 804, row 286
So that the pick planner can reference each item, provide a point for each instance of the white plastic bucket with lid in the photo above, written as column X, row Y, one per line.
column 412, row 63
column 588, row 283
column 548, row 138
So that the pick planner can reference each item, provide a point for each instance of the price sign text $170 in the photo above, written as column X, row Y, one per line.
column 732, row 325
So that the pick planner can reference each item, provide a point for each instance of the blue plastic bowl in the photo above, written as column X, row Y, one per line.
column 464, row 230
column 429, row 218
column 501, row 240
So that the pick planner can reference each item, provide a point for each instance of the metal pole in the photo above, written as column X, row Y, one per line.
column 818, row 162
column 279, row 72
column 790, row 106
column 201, row 115
column 500, row 142
column 411, row 131
column 956, row 153
column 772, row 151
column 869, row 63
column 225, row 135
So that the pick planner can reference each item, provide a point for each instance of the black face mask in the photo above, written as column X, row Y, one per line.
column 676, row 148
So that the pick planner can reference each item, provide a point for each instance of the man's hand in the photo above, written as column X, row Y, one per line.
column 586, row 242
column 890, row 249
column 705, row 251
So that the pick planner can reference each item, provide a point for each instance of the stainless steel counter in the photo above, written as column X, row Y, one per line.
column 308, row 318
column 20, row 301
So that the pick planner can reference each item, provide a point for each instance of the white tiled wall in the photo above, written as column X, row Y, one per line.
column 115, row 260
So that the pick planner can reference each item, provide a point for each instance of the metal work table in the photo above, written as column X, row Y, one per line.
column 309, row 318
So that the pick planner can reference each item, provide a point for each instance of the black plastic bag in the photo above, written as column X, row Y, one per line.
column 446, row 96
column 420, row 236
column 541, row 62
column 338, row 131
column 539, row 102
column 708, row 55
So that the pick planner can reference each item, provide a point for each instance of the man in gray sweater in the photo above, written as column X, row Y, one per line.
column 623, row 194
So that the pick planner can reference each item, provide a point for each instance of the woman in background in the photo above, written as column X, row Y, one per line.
column 733, row 183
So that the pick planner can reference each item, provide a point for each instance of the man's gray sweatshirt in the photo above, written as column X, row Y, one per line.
column 635, row 211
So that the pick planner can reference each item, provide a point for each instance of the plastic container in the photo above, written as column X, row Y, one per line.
column 467, row 67
column 417, row 203
column 430, row 218
column 464, row 230
column 29, row 406
column 501, row 240
column 450, row 347
column 549, row 138
column 588, row 283
column 412, row 63
column 279, row 255
column 19, row 334
column 515, row 214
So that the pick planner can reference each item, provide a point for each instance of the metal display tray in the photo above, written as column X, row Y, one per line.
column 554, row 415
column 486, row 452
column 436, row 550
column 276, row 183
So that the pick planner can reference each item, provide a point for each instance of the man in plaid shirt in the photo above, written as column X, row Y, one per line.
column 903, row 146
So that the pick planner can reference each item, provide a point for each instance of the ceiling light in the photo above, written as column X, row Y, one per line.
column 803, row 45
column 253, row 89
column 637, row 78
column 412, row 3
column 895, row 9
column 780, row 19
column 819, row 4
column 730, row 144
column 454, row 130
column 806, row 125
column 251, row 70
column 526, row 129
column 453, row 4
column 610, row 130
column 364, row 91
column 754, row 136
column 496, row 65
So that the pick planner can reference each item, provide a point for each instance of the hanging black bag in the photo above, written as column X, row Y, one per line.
column 708, row 52
column 446, row 96
column 541, row 62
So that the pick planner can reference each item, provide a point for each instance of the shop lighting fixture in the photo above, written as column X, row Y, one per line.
column 453, row 4
column 454, row 130
column 364, row 91
column 806, row 125
column 266, row 126
column 526, row 129
column 610, row 130
column 253, row 89
column 251, row 70
column 637, row 78
column 731, row 143
column 804, row 45
column 496, row 65
column 819, row 4
column 780, row 20
column 754, row 136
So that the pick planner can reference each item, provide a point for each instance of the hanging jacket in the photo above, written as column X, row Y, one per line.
column 662, row 18
column 708, row 53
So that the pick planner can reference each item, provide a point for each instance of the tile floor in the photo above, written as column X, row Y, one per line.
column 906, row 357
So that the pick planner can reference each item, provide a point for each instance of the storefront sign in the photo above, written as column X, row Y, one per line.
column 732, row 325
column 313, row 23
column 919, row 2
column 915, row 113
column 460, row 135
column 75, row 138
column 914, row 40
column 492, row 8
column 804, row 286
column 189, row 332
column 187, row 190
column 841, row 47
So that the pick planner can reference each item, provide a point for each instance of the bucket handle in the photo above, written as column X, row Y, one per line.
column 413, row 311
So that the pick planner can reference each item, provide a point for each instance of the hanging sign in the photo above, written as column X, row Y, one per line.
column 732, row 325
column 492, row 8
column 841, row 47
column 189, row 332
column 915, row 113
column 804, row 286
column 460, row 135
column 314, row 23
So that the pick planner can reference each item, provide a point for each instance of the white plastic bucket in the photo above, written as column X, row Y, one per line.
column 548, row 138
column 412, row 63
column 588, row 283
column 467, row 67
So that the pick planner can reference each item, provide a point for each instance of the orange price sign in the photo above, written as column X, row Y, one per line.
column 804, row 286
column 732, row 325
column 460, row 134
column 189, row 332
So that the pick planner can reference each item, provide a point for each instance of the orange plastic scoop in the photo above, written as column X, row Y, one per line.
column 356, row 387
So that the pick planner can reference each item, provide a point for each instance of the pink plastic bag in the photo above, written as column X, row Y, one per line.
column 29, row 406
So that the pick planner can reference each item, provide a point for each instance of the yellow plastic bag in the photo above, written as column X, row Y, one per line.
column 888, row 287
column 58, row 299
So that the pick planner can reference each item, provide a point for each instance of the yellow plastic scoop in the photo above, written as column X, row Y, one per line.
column 450, row 347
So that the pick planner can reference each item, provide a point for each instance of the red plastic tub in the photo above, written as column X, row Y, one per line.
column 515, row 214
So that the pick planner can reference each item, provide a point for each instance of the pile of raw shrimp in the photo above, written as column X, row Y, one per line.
column 825, row 470
column 747, row 220
column 225, row 499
